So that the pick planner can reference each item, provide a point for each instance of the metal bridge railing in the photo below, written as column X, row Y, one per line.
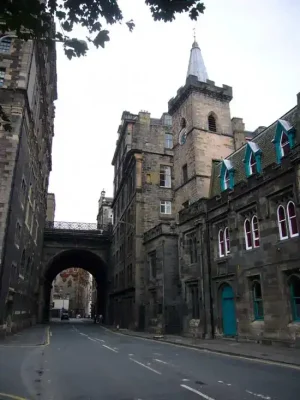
column 76, row 226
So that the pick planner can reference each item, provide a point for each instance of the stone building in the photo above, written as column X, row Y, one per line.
column 105, row 214
column 143, row 197
column 27, row 95
column 227, row 263
column 75, row 285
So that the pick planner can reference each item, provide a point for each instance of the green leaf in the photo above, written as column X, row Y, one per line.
column 101, row 38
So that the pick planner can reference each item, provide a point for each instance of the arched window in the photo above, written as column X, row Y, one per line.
column 281, row 217
column 295, row 297
column 221, row 243
column 255, row 231
column 248, row 234
column 257, row 301
column 227, row 240
column 292, row 219
column 22, row 264
column 252, row 164
column 284, row 144
column 212, row 125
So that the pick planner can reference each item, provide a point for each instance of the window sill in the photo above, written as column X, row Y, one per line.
column 220, row 260
column 258, row 322
column 252, row 249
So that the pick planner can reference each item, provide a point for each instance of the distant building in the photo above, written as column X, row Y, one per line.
column 50, row 207
column 27, row 94
column 105, row 212
column 143, row 195
column 74, row 285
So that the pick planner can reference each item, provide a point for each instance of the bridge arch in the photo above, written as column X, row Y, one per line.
column 86, row 259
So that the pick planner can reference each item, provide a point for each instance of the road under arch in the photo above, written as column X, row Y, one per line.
column 74, row 258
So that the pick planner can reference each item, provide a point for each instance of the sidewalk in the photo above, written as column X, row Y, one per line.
column 33, row 336
column 283, row 355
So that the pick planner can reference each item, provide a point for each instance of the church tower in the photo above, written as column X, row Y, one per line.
column 202, row 131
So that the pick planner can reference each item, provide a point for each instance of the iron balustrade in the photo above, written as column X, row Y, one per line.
column 76, row 226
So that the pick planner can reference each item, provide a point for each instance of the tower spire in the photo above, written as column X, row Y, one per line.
column 196, row 64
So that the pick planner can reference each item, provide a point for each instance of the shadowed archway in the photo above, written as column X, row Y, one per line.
column 74, row 258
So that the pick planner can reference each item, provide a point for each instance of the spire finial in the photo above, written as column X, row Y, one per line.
column 194, row 34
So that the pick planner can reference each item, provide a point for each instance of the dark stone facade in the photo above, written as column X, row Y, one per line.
column 27, row 96
column 271, row 314
column 141, row 150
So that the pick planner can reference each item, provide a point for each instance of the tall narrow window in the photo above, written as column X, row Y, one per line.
column 257, row 301
column 221, row 243
column 185, row 173
column 165, row 176
column 226, row 180
column 152, row 264
column 18, row 233
column 248, row 234
column 292, row 219
column 255, row 231
column 295, row 297
column 284, row 144
column 252, row 164
column 2, row 76
column 227, row 240
column 22, row 264
column 281, row 217
column 168, row 140
column 212, row 126
column 5, row 44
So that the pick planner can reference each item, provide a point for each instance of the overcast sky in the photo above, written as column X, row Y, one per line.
column 251, row 45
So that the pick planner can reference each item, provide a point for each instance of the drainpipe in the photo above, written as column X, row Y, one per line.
column 201, row 282
column 163, row 283
column 209, row 277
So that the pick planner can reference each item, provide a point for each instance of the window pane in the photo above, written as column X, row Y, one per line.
column 248, row 234
column 257, row 291
column 285, row 144
column 283, row 229
column 292, row 218
column 296, row 287
column 227, row 241
column 253, row 169
column 259, row 309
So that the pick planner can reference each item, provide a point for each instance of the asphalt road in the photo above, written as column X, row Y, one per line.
column 87, row 362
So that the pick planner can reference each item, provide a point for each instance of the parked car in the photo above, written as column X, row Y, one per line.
column 64, row 315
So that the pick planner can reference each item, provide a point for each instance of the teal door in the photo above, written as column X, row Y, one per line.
column 228, row 311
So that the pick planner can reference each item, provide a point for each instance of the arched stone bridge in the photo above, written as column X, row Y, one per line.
column 74, row 244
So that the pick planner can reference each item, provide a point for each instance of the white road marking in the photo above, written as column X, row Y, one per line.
column 83, row 334
column 185, row 380
column 197, row 392
column 130, row 355
column 160, row 361
column 93, row 340
column 227, row 384
column 145, row 366
column 109, row 348
column 200, row 350
column 259, row 395
column 100, row 340
column 157, row 354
